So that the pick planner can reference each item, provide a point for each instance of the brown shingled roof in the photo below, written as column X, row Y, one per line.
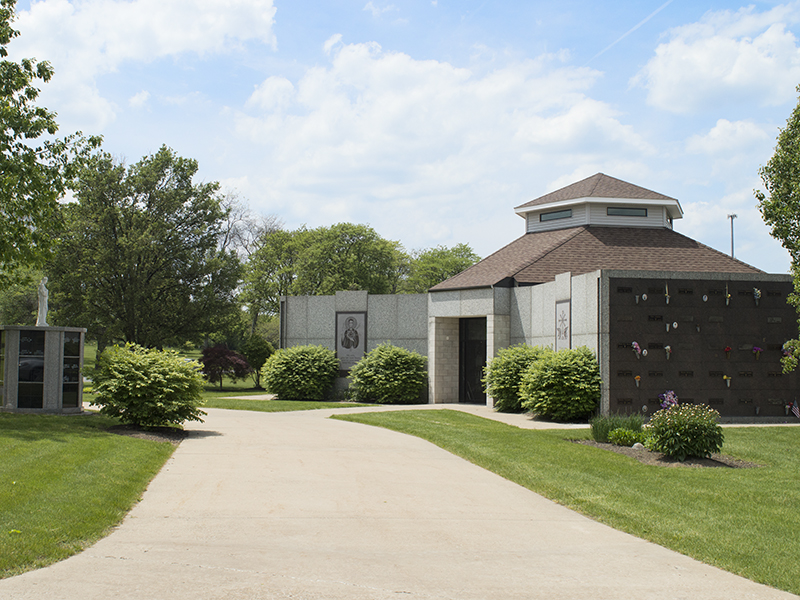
column 598, row 186
column 539, row 257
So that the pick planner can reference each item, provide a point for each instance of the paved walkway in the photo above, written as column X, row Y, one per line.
column 294, row 505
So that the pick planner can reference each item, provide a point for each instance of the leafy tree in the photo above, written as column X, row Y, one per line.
column 257, row 350
column 272, row 269
column 346, row 257
column 320, row 261
column 140, row 256
column 34, row 177
column 19, row 301
column 220, row 362
column 780, row 208
column 434, row 265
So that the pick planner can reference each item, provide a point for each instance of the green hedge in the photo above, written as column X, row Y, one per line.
column 300, row 372
column 389, row 375
column 503, row 375
column 562, row 386
column 148, row 387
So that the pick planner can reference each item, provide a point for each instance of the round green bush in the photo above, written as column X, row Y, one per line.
column 626, row 437
column 148, row 387
column 388, row 375
column 686, row 430
column 562, row 386
column 300, row 372
column 503, row 374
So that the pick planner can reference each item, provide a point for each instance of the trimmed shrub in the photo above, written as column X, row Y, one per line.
column 626, row 437
column 603, row 425
column 219, row 362
column 300, row 372
column 503, row 374
column 562, row 386
column 148, row 387
column 686, row 430
column 388, row 375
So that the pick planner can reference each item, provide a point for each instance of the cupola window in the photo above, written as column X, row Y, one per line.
column 558, row 214
column 625, row 211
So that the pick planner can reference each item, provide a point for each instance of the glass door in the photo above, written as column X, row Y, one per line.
column 31, row 369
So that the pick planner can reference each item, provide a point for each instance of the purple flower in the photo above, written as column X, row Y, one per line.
column 668, row 399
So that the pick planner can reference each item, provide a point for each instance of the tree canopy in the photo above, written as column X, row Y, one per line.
column 34, row 177
column 345, row 256
column 780, row 208
column 140, row 257
column 434, row 265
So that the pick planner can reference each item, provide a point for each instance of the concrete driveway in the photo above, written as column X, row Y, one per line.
column 295, row 505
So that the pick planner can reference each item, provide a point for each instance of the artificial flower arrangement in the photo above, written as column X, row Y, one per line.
column 637, row 379
column 756, row 295
column 757, row 351
column 727, row 351
column 668, row 399
column 637, row 349
column 727, row 380
column 668, row 350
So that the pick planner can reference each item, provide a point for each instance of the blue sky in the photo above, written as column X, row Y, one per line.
column 431, row 120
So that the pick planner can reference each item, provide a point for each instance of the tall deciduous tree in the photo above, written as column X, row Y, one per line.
column 434, row 265
column 321, row 261
column 34, row 176
column 271, row 270
column 780, row 207
column 346, row 256
column 140, row 257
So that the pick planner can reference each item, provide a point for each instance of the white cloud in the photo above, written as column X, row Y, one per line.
column 726, row 57
column 86, row 39
column 331, row 42
column 274, row 93
column 376, row 11
column 708, row 221
column 728, row 137
column 732, row 149
column 139, row 99
column 387, row 139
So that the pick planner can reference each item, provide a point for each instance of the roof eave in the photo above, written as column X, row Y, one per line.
column 673, row 206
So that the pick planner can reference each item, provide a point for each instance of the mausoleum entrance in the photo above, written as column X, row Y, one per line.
column 471, row 359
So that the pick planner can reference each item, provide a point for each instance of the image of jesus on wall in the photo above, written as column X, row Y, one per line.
column 350, row 335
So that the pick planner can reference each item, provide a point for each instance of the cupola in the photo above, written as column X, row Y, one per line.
column 602, row 201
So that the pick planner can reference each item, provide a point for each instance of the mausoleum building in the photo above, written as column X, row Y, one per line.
column 599, row 265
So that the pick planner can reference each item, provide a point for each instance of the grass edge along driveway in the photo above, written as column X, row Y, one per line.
column 746, row 521
column 65, row 482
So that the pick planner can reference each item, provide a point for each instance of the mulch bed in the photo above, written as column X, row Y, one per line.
column 154, row 434
column 658, row 459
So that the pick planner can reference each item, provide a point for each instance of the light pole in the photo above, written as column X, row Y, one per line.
column 732, row 217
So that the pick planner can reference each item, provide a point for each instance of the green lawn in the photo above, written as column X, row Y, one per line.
column 64, row 483
column 746, row 521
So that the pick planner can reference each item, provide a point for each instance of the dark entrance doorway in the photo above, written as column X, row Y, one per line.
column 471, row 359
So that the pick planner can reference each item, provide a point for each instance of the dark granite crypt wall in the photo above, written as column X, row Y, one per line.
column 698, row 320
